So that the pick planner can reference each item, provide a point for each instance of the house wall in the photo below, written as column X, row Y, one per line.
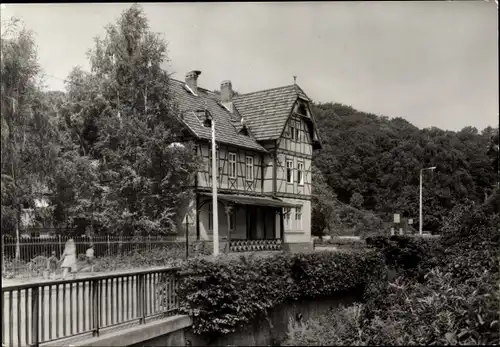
column 296, row 150
column 296, row 232
column 240, row 183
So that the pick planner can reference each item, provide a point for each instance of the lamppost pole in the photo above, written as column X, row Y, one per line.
column 215, row 213
column 420, row 214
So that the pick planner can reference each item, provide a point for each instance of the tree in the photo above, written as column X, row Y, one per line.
column 122, row 118
column 323, row 204
column 28, row 137
column 356, row 200
column 380, row 159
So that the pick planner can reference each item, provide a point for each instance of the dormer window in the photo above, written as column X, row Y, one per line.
column 244, row 131
column 204, row 117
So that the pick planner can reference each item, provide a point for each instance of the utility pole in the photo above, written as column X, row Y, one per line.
column 214, row 194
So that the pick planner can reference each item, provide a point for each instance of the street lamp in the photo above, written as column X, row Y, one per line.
column 210, row 122
column 421, row 219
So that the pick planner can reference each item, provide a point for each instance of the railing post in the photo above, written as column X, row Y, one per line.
column 95, row 308
column 141, row 298
column 35, row 291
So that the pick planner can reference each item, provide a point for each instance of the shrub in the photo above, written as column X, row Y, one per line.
column 341, row 242
column 411, row 254
column 318, row 331
column 222, row 295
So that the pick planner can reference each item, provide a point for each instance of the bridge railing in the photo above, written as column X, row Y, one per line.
column 51, row 310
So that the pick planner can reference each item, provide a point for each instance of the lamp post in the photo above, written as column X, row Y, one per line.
column 421, row 218
column 215, row 213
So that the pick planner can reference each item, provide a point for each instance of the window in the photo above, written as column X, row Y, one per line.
column 289, row 171
column 287, row 216
column 298, row 217
column 232, row 165
column 297, row 134
column 249, row 168
column 291, row 130
column 210, row 217
column 300, row 173
column 216, row 162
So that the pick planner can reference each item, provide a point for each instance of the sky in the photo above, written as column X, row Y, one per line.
column 431, row 63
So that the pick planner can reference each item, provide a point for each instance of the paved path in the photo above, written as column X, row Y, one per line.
column 66, row 308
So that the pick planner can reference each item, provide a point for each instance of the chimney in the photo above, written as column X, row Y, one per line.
column 192, row 80
column 226, row 95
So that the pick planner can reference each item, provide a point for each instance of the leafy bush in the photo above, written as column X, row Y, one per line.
column 318, row 331
column 221, row 295
column 335, row 241
column 454, row 300
column 411, row 254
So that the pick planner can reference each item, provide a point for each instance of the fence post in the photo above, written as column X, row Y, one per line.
column 35, row 295
column 60, row 246
column 95, row 308
column 109, row 250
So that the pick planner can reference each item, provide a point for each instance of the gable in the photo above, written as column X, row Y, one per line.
column 267, row 111
column 301, row 113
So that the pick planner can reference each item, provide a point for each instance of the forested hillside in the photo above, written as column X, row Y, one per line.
column 372, row 163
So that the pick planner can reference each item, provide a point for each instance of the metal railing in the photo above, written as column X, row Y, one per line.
column 255, row 245
column 31, row 261
column 42, row 312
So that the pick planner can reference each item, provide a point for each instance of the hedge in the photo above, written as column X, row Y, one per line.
column 222, row 295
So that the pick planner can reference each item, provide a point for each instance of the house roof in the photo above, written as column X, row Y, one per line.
column 225, row 130
column 242, row 199
column 266, row 112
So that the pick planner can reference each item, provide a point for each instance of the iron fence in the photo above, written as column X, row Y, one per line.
column 42, row 312
column 110, row 253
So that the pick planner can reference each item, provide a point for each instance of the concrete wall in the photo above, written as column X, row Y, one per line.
column 272, row 331
column 177, row 331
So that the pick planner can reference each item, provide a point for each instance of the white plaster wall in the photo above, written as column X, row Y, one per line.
column 294, row 234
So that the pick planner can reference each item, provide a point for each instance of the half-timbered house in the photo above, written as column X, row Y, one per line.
column 265, row 142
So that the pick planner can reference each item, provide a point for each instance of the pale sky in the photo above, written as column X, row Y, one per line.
column 432, row 63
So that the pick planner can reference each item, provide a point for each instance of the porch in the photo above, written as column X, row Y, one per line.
column 246, row 223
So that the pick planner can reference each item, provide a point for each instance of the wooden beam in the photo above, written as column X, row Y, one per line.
column 228, row 209
column 264, row 213
column 275, row 169
column 274, row 222
column 282, row 227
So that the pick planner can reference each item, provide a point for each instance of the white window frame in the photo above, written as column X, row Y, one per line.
column 249, row 164
column 298, row 217
column 232, row 165
column 287, row 217
column 289, row 166
column 300, row 173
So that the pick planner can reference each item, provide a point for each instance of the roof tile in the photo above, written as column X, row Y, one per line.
column 225, row 131
column 267, row 111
